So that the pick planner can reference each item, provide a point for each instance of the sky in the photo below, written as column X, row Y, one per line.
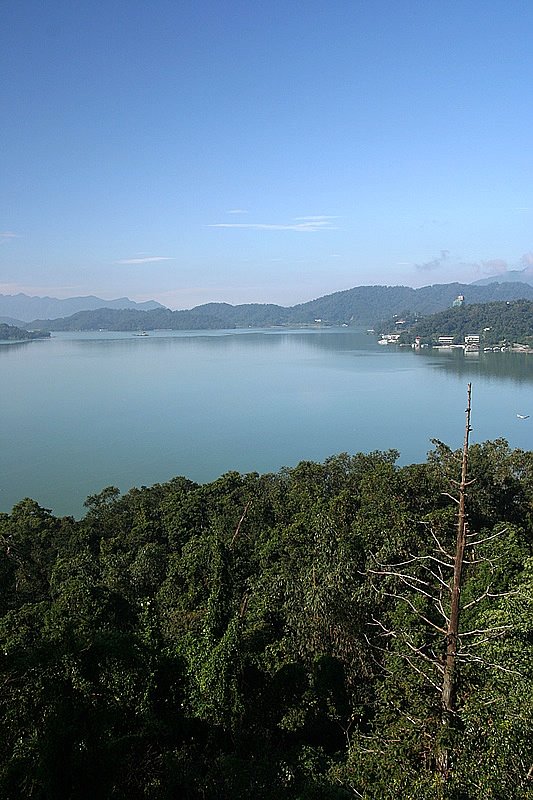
column 236, row 151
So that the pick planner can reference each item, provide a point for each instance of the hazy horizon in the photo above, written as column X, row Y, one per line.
column 199, row 152
column 229, row 302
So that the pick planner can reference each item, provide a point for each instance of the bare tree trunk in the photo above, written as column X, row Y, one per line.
column 448, row 681
column 452, row 634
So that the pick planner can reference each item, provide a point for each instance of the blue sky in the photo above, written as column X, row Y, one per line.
column 269, row 152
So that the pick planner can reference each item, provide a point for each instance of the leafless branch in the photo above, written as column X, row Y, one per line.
column 490, row 561
column 442, row 612
column 465, row 484
column 481, row 642
column 421, row 672
column 419, row 652
column 474, row 543
column 479, row 660
column 488, row 593
column 237, row 529
column 483, row 631
column 406, row 579
column 411, row 560
column 375, row 646
column 440, row 548
column 434, row 575
column 416, row 611
column 477, row 600
column 447, row 494
column 378, row 624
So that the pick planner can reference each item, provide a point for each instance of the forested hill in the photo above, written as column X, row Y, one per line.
column 9, row 333
column 273, row 636
column 362, row 305
column 494, row 322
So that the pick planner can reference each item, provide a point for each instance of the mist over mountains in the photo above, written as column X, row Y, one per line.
column 510, row 276
column 24, row 308
column 362, row 305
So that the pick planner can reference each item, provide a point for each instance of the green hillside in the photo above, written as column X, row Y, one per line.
column 360, row 306
column 504, row 321
column 13, row 333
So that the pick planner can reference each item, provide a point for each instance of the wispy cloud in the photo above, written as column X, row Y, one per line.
column 317, row 218
column 435, row 263
column 498, row 266
column 7, row 236
column 237, row 211
column 299, row 224
column 144, row 260
column 494, row 266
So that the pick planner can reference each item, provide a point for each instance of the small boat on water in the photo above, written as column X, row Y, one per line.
column 141, row 333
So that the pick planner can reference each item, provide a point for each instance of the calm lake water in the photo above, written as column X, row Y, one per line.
column 85, row 410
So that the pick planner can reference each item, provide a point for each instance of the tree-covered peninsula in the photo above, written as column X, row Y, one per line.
column 495, row 323
column 12, row 333
column 280, row 635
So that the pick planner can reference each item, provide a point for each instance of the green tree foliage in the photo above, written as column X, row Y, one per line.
column 242, row 639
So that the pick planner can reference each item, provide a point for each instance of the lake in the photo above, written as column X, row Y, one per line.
column 85, row 410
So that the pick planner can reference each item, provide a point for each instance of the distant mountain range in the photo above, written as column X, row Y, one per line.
column 23, row 308
column 362, row 305
column 19, row 323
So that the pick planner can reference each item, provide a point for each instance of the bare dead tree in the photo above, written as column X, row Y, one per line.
column 437, row 577
column 429, row 585
column 452, row 636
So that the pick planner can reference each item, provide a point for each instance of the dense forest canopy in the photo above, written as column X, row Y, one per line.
column 272, row 636
column 362, row 305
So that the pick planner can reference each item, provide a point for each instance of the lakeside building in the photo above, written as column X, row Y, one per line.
column 472, row 342
column 471, row 339
column 389, row 338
